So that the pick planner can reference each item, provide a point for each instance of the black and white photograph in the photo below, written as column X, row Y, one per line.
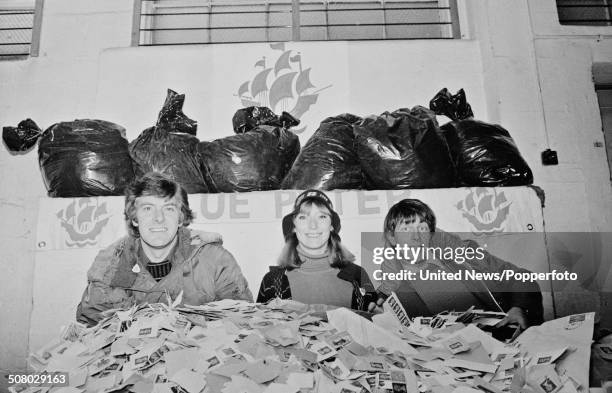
column 221, row 187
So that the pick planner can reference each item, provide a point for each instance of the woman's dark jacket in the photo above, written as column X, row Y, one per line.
column 275, row 284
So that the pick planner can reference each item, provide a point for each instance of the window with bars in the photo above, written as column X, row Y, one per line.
column 183, row 22
column 585, row 12
column 20, row 22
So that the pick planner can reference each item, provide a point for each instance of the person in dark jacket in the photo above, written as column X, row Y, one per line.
column 314, row 267
column 412, row 223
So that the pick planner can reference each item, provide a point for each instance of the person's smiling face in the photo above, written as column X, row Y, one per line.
column 313, row 225
column 158, row 220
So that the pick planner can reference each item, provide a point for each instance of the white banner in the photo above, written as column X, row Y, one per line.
column 71, row 231
column 68, row 223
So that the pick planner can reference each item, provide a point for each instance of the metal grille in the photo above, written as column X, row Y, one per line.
column 19, row 28
column 589, row 13
column 183, row 22
column 16, row 32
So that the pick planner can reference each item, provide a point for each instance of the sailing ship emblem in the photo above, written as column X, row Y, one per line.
column 487, row 210
column 83, row 220
column 281, row 87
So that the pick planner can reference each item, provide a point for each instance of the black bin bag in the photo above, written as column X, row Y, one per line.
column 329, row 160
column 246, row 119
column 403, row 149
column 484, row 154
column 23, row 137
column 85, row 158
column 256, row 159
column 454, row 107
column 170, row 147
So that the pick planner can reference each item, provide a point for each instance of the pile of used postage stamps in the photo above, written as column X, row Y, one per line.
column 283, row 347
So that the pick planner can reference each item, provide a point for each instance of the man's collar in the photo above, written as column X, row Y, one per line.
column 132, row 255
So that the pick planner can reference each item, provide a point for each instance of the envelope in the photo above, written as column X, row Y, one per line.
column 322, row 350
column 301, row 380
column 472, row 334
column 263, row 371
column 280, row 388
column 573, row 330
column 365, row 332
column 548, row 357
column 239, row 384
column 229, row 369
column 476, row 353
column 190, row 381
column 456, row 344
column 180, row 360
column 544, row 379
column 470, row 365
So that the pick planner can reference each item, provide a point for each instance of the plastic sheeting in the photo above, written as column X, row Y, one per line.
column 256, row 159
column 246, row 119
column 403, row 149
column 485, row 155
column 170, row 147
column 23, row 137
column 85, row 158
column 329, row 160
column 455, row 107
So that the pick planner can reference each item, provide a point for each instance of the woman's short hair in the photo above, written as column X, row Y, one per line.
column 289, row 257
column 159, row 185
column 407, row 211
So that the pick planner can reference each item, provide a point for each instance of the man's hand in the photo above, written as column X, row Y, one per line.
column 376, row 308
column 516, row 316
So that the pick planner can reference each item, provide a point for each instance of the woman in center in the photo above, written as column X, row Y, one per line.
column 314, row 267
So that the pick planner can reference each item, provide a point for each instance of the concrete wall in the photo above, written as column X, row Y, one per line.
column 60, row 84
column 540, row 75
column 520, row 69
column 358, row 77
